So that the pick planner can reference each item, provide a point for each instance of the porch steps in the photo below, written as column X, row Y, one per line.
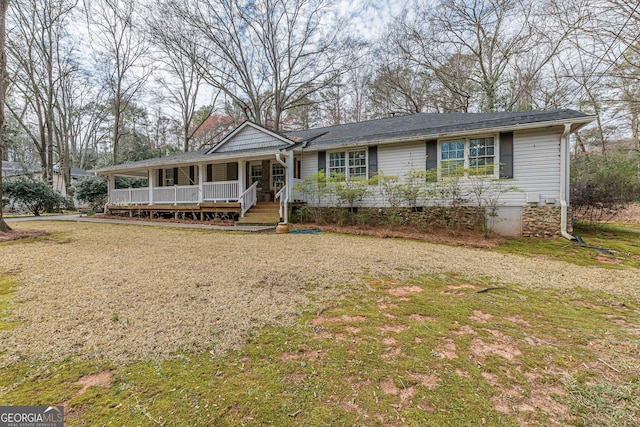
column 263, row 213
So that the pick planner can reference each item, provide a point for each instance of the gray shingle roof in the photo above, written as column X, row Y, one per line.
column 194, row 156
column 371, row 131
column 425, row 124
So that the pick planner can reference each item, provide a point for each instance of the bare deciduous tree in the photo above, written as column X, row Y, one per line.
column 268, row 56
column 4, row 81
column 182, row 79
column 121, row 52
column 486, row 53
column 40, row 64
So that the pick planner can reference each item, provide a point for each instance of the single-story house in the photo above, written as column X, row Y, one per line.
column 253, row 165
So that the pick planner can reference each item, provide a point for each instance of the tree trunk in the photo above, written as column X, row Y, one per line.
column 4, row 81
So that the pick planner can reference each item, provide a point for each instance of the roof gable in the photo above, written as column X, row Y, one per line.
column 250, row 136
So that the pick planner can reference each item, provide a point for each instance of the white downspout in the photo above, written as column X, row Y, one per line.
column 564, row 181
column 286, row 199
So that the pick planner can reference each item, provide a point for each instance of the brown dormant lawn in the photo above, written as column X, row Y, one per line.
column 126, row 293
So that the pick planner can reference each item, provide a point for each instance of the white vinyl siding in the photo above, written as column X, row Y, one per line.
column 183, row 176
column 308, row 164
column 399, row 159
column 536, row 166
column 219, row 172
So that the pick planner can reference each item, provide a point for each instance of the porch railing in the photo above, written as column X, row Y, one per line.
column 223, row 191
column 283, row 198
column 130, row 196
column 248, row 198
column 176, row 194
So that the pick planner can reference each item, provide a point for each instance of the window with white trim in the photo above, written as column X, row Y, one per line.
column 169, row 179
column 474, row 155
column 351, row 164
column 482, row 155
column 452, row 157
column 337, row 164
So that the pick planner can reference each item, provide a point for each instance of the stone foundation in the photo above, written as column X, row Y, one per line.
column 459, row 217
column 542, row 221
column 537, row 221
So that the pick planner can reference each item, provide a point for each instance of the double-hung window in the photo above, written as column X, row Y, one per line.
column 452, row 157
column 169, row 179
column 351, row 164
column 337, row 164
column 474, row 156
column 482, row 156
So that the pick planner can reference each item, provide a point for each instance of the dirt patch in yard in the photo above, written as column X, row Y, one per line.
column 102, row 379
column 20, row 234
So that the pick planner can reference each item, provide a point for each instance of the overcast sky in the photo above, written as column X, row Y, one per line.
column 369, row 17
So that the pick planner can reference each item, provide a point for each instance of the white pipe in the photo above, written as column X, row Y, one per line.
column 279, row 160
column 285, row 215
column 564, row 145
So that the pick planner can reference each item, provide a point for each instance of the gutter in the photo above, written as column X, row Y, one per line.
column 564, row 160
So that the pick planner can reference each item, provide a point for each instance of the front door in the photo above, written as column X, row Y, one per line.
column 256, row 174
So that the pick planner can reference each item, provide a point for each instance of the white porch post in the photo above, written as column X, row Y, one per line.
column 242, row 164
column 112, row 186
column 152, row 183
column 200, row 183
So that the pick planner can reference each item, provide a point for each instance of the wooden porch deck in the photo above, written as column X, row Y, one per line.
column 193, row 209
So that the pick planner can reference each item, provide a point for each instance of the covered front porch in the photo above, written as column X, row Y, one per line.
column 235, row 186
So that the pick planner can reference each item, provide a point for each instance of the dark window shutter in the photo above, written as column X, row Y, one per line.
column 232, row 171
column 373, row 161
column 432, row 159
column 175, row 176
column 322, row 161
column 209, row 173
column 160, row 178
column 506, row 155
column 192, row 175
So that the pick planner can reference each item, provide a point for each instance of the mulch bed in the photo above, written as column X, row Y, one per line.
column 466, row 238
